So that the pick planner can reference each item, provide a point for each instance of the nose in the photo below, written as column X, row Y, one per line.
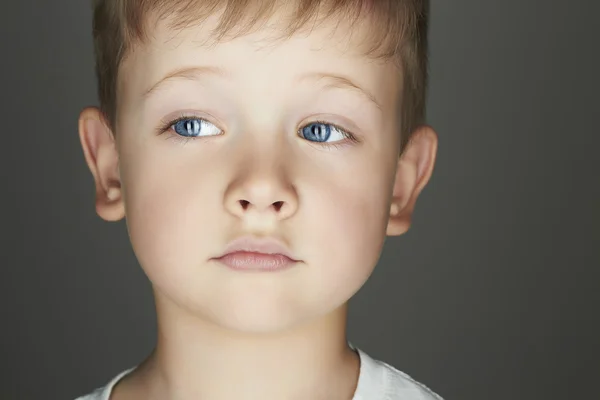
column 262, row 191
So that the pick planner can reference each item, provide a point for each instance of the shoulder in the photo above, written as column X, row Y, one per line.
column 103, row 393
column 98, row 394
column 402, row 386
column 379, row 380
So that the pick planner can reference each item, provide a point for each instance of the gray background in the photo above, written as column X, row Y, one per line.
column 492, row 295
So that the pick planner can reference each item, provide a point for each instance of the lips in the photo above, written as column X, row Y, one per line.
column 257, row 254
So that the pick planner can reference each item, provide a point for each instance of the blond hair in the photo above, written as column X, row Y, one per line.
column 398, row 34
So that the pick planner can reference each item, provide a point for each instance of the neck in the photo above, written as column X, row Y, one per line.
column 196, row 359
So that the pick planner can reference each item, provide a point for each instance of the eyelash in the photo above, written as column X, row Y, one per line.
column 168, row 124
column 345, row 132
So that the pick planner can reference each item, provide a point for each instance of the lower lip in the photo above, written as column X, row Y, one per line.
column 247, row 261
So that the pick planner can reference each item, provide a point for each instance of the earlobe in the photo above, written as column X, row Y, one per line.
column 414, row 170
column 399, row 220
column 99, row 148
column 394, row 209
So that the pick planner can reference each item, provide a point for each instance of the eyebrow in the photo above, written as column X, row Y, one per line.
column 194, row 73
column 341, row 82
column 186, row 73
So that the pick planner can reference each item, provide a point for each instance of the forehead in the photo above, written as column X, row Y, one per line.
column 263, row 55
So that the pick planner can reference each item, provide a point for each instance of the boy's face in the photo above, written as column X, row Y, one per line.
column 262, row 165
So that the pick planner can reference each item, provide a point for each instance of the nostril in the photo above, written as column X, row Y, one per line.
column 278, row 205
column 244, row 204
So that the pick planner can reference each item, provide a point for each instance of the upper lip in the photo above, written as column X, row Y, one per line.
column 253, row 244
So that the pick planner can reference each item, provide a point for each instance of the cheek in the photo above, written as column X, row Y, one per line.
column 346, row 232
column 166, row 215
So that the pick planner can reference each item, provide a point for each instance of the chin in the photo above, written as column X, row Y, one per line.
column 254, row 318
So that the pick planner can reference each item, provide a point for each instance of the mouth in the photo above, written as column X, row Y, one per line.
column 257, row 254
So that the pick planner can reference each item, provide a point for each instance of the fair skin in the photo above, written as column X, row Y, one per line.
column 225, row 334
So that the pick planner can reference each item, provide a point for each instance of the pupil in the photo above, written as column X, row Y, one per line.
column 192, row 127
column 317, row 131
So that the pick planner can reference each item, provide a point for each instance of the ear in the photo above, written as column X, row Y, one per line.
column 414, row 170
column 101, row 155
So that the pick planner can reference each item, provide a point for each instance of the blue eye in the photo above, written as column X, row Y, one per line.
column 322, row 132
column 195, row 127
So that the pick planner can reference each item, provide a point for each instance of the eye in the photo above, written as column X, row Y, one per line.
column 194, row 127
column 322, row 132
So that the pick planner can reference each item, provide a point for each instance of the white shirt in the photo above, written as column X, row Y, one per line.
column 376, row 381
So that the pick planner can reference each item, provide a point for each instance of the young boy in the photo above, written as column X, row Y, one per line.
column 260, row 151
